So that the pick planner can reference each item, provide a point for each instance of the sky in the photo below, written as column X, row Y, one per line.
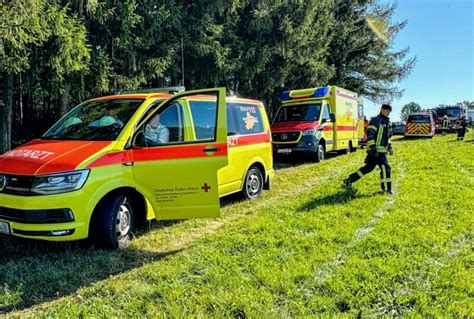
column 440, row 34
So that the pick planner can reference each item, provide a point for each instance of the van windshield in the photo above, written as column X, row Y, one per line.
column 419, row 119
column 298, row 113
column 100, row 120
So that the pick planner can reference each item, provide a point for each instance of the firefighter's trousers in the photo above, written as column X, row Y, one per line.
column 371, row 162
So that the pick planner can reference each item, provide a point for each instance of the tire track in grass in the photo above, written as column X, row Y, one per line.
column 326, row 270
column 213, row 226
column 232, row 213
column 190, row 236
column 464, row 170
column 395, row 302
column 423, row 284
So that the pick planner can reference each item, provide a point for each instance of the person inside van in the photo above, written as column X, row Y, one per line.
column 156, row 133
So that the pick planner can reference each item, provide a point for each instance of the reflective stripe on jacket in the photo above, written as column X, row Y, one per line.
column 379, row 132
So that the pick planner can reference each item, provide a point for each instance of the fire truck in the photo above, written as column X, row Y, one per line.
column 454, row 112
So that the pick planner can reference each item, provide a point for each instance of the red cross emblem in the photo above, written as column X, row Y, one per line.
column 206, row 187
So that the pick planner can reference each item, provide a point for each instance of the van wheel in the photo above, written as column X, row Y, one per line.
column 253, row 184
column 115, row 223
column 319, row 156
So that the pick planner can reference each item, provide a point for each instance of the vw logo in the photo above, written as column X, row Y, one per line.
column 284, row 136
column 3, row 182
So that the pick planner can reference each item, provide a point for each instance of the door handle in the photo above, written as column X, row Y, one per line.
column 127, row 164
column 209, row 150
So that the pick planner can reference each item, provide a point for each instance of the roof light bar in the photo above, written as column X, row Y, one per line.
column 166, row 89
column 305, row 94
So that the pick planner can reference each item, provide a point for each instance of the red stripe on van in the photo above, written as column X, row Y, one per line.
column 159, row 153
column 243, row 140
column 346, row 128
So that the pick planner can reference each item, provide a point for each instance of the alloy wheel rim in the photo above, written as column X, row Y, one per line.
column 253, row 185
column 123, row 221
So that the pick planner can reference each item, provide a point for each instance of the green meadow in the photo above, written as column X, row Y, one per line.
column 306, row 248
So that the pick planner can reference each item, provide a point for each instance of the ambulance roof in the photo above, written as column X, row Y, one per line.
column 315, row 93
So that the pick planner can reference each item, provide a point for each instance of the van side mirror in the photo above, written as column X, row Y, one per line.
column 324, row 121
column 332, row 117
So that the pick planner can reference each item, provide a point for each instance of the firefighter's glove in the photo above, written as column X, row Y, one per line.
column 390, row 149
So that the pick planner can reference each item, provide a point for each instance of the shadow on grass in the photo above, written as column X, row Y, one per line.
column 340, row 198
column 232, row 199
column 34, row 272
column 289, row 161
column 410, row 138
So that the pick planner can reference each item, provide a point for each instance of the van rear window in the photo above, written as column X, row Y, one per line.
column 419, row 119
column 249, row 119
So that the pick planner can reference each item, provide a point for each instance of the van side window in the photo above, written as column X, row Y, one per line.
column 166, row 127
column 149, row 110
column 204, row 114
column 249, row 119
column 232, row 128
column 326, row 114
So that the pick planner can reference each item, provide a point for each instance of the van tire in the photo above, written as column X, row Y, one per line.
column 253, row 183
column 320, row 153
column 115, row 223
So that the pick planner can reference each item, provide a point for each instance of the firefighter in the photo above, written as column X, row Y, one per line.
column 378, row 141
column 445, row 124
column 462, row 128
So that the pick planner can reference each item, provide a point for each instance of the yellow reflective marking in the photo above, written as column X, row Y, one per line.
column 384, row 177
column 379, row 135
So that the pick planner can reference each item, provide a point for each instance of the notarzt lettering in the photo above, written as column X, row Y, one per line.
column 40, row 155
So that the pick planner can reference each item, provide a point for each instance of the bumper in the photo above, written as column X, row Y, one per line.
column 419, row 135
column 307, row 145
column 61, row 217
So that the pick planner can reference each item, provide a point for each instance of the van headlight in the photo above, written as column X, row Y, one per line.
column 309, row 132
column 59, row 183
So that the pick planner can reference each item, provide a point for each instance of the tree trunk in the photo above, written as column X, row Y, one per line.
column 6, row 113
column 65, row 101
column 20, row 98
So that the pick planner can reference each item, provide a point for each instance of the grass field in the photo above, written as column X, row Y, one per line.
column 307, row 248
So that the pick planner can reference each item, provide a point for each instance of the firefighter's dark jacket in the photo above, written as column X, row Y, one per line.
column 379, row 132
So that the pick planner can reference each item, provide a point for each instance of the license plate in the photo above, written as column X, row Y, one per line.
column 4, row 228
column 284, row 151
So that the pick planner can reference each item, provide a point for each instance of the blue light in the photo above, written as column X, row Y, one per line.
column 320, row 92
column 285, row 96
